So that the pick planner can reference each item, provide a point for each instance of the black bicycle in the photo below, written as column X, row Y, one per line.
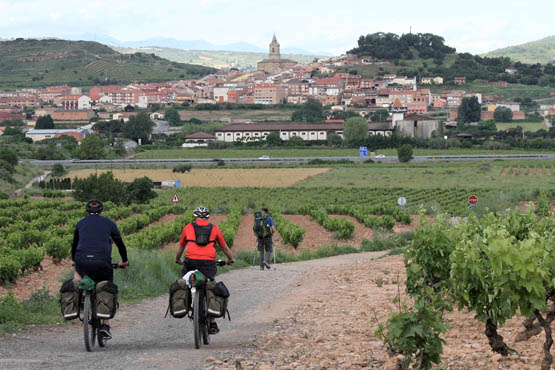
column 201, row 320
column 91, row 323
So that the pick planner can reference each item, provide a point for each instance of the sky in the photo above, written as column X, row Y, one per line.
column 329, row 26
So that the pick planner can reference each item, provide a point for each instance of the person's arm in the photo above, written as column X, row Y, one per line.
column 223, row 245
column 75, row 242
column 182, row 245
column 116, row 237
column 271, row 224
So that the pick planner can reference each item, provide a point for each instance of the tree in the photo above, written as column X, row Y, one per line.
column 172, row 116
column 140, row 191
column 8, row 160
column 273, row 139
column 311, row 111
column 469, row 110
column 356, row 130
column 44, row 123
column 503, row 114
column 404, row 153
column 58, row 170
column 90, row 148
column 108, row 127
column 379, row 116
column 334, row 140
column 139, row 127
column 103, row 187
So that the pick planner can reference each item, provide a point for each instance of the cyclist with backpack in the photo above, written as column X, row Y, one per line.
column 91, row 249
column 263, row 229
column 200, row 238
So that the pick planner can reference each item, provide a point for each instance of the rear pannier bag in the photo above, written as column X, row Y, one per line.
column 180, row 299
column 106, row 299
column 217, row 297
column 69, row 299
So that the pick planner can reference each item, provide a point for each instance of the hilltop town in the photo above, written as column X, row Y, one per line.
column 417, row 107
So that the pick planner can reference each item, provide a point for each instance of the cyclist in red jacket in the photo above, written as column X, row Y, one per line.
column 200, row 238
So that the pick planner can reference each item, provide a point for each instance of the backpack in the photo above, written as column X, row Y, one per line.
column 202, row 234
column 217, row 297
column 69, row 300
column 180, row 299
column 260, row 227
column 106, row 299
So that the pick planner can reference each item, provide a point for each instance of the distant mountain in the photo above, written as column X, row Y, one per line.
column 35, row 63
column 245, row 61
column 540, row 51
column 165, row 42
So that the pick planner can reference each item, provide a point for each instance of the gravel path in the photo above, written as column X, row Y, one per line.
column 144, row 339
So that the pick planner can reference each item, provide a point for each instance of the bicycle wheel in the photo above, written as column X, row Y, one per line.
column 205, row 321
column 101, row 338
column 196, row 318
column 89, row 332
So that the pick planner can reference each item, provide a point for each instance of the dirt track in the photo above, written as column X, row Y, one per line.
column 144, row 339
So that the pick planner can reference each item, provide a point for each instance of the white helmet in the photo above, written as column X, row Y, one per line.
column 201, row 212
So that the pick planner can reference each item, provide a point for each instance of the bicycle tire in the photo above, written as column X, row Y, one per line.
column 89, row 332
column 101, row 338
column 205, row 321
column 196, row 318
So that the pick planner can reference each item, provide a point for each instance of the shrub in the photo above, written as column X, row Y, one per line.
column 404, row 153
column 182, row 168
column 9, row 267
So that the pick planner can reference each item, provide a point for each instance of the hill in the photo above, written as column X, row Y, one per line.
column 36, row 63
column 424, row 55
column 539, row 51
column 245, row 61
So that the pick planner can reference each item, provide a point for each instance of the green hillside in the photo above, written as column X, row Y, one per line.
column 36, row 63
column 245, row 61
column 540, row 51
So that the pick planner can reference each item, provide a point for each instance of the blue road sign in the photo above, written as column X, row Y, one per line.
column 363, row 151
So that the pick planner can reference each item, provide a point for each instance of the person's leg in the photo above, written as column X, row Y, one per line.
column 261, row 253
column 269, row 248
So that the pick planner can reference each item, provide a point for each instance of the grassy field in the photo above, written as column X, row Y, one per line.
column 441, row 175
column 267, row 177
column 31, row 62
column 25, row 172
column 302, row 152
column 526, row 126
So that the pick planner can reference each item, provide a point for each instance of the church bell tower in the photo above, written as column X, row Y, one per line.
column 274, row 49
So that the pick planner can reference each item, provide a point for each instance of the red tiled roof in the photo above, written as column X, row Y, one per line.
column 200, row 136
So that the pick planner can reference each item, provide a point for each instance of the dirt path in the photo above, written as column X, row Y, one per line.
column 144, row 339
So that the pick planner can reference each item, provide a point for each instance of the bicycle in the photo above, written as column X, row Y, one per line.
column 91, row 323
column 200, row 318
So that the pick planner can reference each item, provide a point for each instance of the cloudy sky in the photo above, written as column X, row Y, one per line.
column 319, row 26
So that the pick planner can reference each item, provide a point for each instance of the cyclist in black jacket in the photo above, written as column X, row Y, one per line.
column 92, row 249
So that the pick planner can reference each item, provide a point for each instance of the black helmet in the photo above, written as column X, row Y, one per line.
column 201, row 212
column 94, row 206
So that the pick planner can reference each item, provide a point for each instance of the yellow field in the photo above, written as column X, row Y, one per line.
column 264, row 177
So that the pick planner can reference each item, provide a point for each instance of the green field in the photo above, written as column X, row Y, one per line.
column 491, row 175
column 308, row 152
column 526, row 126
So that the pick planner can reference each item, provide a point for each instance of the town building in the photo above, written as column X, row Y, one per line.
column 269, row 94
column 418, row 126
column 274, row 63
column 39, row 135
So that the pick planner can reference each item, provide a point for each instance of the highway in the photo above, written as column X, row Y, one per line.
column 106, row 163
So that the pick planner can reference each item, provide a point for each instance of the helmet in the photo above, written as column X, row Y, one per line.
column 94, row 206
column 201, row 212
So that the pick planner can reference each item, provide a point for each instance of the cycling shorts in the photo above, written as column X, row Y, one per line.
column 97, row 270
column 207, row 267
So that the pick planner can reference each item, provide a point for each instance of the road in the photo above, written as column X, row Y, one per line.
column 284, row 160
column 163, row 127
column 143, row 338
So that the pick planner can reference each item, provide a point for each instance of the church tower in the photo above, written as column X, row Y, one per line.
column 274, row 49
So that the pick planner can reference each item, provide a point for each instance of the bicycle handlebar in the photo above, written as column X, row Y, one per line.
column 221, row 262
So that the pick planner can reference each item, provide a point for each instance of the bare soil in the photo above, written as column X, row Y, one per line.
column 333, row 315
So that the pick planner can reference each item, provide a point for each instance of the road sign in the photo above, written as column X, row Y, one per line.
column 363, row 151
column 402, row 201
column 471, row 207
column 473, row 199
column 175, row 199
